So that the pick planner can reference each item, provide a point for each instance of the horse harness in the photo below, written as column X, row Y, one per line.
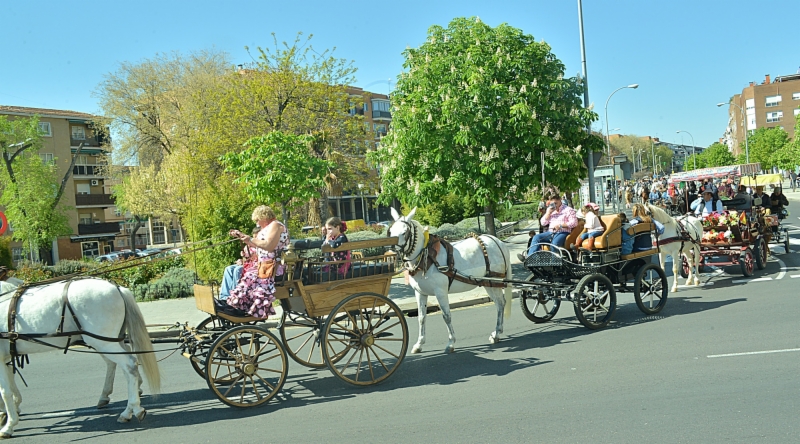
column 13, row 336
column 431, row 249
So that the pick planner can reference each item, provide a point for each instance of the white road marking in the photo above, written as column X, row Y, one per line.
column 754, row 353
column 795, row 276
column 744, row 281
column 783, row 269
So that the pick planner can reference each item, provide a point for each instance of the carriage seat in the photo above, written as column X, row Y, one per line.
column 573, row 235
column 357, row 270
column 612, row 236
column 306, row 244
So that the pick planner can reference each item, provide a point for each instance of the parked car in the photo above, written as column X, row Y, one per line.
column 149, row 252
column 126, row 254
column 111, row 257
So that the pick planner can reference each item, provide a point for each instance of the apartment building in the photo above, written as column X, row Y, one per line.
column 98, row 226
column 767, row 105
column 361, row 202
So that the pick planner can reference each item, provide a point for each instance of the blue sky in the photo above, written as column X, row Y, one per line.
column 687, row 56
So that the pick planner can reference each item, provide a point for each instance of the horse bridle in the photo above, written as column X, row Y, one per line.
column 408, row 246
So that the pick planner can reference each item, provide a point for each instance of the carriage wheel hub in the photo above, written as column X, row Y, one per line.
column 249, row 369
column 368, row 340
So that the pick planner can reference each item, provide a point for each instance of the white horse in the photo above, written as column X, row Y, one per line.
column 682, row 236
column 469, row 260
column 102, row 309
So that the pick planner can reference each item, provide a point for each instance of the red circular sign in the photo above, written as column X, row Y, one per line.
column 4, row 223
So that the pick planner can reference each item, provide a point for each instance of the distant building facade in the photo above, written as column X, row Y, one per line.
column 767, row 105
column 98, row 227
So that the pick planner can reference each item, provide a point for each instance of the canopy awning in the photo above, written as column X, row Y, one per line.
column 747, row 169
column 762, row 180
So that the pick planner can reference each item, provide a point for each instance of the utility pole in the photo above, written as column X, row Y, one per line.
column 590, row 157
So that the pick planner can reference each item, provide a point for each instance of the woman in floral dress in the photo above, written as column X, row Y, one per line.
column 252, row 294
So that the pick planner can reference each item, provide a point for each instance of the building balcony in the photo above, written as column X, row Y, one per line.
column 88, row 171
column 94, row 200
column 381, row 115
column 98, row 228
column 88, row 142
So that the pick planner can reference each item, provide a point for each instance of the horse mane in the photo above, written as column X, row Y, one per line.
column 659, row 214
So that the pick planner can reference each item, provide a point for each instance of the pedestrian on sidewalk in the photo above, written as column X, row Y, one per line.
column 793, row 179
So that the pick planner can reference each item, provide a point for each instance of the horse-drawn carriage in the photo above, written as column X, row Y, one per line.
column 342, row 320
column 735, row 236
column 769, row 223
column 591, row 279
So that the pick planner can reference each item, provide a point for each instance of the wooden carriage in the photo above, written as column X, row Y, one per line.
column 334, row 313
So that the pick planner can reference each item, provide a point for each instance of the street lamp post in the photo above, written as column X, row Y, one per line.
column 608, row 142
column 590, row 156
column 744, row 128
column 694, row 156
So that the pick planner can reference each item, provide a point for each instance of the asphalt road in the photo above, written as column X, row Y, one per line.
column 718, row 364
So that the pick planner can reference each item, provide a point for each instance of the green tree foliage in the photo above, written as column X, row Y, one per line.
column 787, row 157
column 5, row 252
column 278, row 168
column 634, row 147
column 715, row 155
column 472, row 113
column 449, row 209
column 30, row 188
column 764, row 143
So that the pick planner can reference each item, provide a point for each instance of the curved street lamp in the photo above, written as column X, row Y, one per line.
column 694, row 156
column 608, row 143
column 744, row 128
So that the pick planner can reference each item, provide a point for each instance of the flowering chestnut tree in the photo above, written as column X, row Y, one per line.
column 472, row 112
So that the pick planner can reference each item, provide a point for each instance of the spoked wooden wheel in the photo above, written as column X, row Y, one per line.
column 595, row 301
column 684, row 266
column 251, row 362
column 650, row 289
column 365, row 339
column 747, row 261
column 536, row 306
column 761, row 253
column 302, row 337
column 206, row 330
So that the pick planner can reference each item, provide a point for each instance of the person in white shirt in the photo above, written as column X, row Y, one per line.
column 592, row 226
column 707, row 204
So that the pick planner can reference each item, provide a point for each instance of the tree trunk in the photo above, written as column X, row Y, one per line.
column 314, row 217
column 138, row 224
column 284, row 214
column 490, row 228
column 324, row 206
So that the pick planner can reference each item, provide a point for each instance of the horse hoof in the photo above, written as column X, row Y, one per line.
column 493, row 340
column 140, row 416
column 416, row 349
column 122, row 420
column 449, row 349
column 103, row 403
column 5, row 435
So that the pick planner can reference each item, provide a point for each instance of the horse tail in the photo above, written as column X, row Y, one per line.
column 507, row 291
column 140, row 340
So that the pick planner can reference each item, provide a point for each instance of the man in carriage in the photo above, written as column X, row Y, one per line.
column 560, row 220
column 707, row 204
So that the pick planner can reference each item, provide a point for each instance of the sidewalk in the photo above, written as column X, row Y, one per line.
column 160, row 315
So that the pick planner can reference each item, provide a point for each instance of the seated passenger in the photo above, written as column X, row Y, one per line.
column 560, row 219
column 232, row 273
column 627, row 239
column 707, row 204
column 255, row 291
column 748, row 199
column 333, row 235
column 642, row 241
column 592, row 226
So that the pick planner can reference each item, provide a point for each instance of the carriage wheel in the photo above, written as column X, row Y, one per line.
column 761, row 253
column 212, row 325
column 252, row 362
column 536, row 306
column 366, row 339
column 595, row 301
column 302, row 337
column 786, row 240
column 747, row 262
column 685, row 267
column 650, row 289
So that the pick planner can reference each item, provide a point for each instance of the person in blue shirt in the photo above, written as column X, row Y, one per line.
column 654, row 196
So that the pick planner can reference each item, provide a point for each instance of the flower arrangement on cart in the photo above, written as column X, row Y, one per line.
column 721, row 227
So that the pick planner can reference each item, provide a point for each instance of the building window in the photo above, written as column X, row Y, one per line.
column 795, row 96
column 366, row 108
column 78, row 133
column 44, row 129
column 773, row 101
column 47, row 157
column 797, row 111
column 90, row 249
column 16, row 254
column 380, row 105
column 776, row 116
column 380, row 129
column 83, row 188
column 85, row 219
